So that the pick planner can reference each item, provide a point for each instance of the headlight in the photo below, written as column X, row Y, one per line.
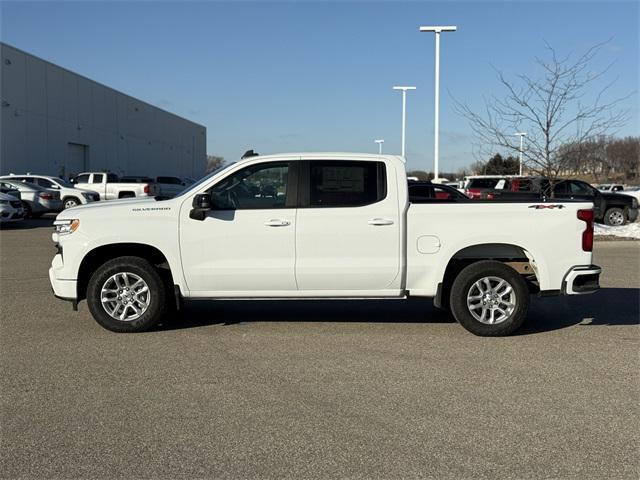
column 63, row 227
column 88, row 196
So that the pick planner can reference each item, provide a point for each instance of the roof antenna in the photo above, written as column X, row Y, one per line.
column 248, row 154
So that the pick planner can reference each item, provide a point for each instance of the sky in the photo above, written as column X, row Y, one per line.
column 318, row 76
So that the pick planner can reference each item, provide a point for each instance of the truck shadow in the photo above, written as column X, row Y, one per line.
column 609, row 306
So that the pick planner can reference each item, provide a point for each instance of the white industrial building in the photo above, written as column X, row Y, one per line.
column 57, row 122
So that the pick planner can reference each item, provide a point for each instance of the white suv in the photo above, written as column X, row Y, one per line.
column 71, row 196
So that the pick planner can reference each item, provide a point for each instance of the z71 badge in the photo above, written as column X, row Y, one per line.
column 538, row 207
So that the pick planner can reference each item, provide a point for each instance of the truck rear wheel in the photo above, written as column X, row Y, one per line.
column 126, row 294
column 489, row 299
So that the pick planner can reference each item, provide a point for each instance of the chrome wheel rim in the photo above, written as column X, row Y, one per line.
column 70, row 204
column 616, row 218
column 125, row 296
column 491, row 300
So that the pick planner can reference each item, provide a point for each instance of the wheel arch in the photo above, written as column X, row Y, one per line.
column 501, row 252
column 75, row 197
column 99, row 255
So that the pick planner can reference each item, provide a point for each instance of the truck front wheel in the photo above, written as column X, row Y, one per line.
column 489, row 299
column 126, row 294
column 615, row 217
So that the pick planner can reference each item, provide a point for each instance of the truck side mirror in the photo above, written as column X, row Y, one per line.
column 201, row 205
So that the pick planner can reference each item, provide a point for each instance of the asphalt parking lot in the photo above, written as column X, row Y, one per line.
column 317, row 389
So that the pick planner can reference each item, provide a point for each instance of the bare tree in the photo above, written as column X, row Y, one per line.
column 624, row 156
column 213, row 162
column 555, row 109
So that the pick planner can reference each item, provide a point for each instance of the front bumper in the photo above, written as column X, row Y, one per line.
column 581, row 280
column 62, row 288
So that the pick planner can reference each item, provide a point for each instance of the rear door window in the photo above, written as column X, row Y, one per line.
column 97, row 178
column 346, row 183
column 43, row 182
column 483, row 183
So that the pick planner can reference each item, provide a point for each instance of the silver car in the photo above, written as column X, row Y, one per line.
column 36, row 200
column 71, row 196
column 11, row 209
column 171, row 186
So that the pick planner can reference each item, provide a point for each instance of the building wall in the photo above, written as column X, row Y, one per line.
column 56, row 122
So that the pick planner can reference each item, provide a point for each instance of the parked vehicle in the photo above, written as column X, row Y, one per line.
column 610, row 187
column 478, row 186
column 632, row 192
column 10, row 209
column 427, row 192
column 36, row 200
column 9, row 190
column 136, row 179
column 339, row 226
column 610, row 208
column 109, row 186
column 171, row 186
column 71, row 197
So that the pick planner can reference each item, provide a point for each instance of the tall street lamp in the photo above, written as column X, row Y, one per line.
column 379, row 142
column 404, row 113
column 521, row 135
column 436, row 126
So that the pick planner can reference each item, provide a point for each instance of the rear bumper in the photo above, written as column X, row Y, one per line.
column 581, row 280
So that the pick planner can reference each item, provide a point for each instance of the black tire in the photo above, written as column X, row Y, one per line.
column 465, row 281
column 614, row 216
column 27, row 210
column 141, row 268
column 71, row 201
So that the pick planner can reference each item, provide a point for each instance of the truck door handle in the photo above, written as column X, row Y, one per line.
column 275, row 222
column 380, row 221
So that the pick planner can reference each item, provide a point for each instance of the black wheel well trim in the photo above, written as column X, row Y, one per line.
column 67, row 197
column 501, row 252
column 103, row 253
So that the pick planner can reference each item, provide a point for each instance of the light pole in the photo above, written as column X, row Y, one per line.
column 404, row 113
column 436, row 125
column 521, row 135
column 379, row 142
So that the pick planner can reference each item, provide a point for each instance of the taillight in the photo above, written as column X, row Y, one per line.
column 45, row 196
column 587, row 235
column 473, row 193
column 146, row 189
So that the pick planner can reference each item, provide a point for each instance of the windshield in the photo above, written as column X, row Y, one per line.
column 204, row 179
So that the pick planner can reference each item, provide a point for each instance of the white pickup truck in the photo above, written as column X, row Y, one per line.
column 320, row 225
column 109, row 187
